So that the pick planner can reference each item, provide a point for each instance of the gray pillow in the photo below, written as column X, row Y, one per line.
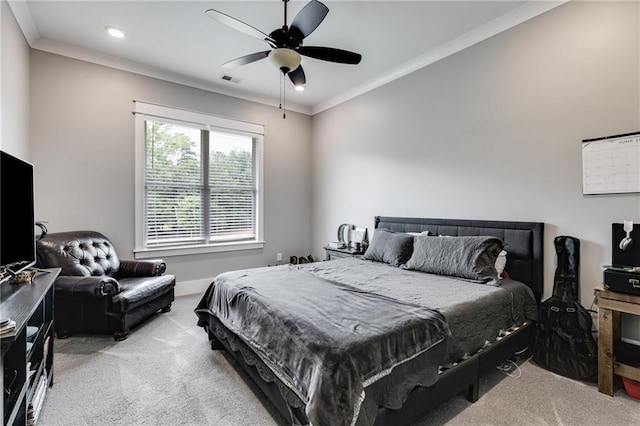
column 471, row 258
column 389, row 247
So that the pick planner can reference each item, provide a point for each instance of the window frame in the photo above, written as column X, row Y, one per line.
column 144, row 110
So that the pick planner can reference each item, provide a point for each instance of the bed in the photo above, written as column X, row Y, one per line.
column 382, row 340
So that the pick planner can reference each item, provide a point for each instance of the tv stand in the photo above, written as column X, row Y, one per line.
column 27, row 354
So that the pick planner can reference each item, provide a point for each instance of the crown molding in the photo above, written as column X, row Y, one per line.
column 87, row 55
column 25, row 21
column 483, row 32
column 28, row 27
column 517, row 16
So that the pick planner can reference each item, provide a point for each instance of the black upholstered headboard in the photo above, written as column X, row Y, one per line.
column 523, row 239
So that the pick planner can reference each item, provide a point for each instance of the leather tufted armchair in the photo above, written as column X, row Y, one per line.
column 96, row 292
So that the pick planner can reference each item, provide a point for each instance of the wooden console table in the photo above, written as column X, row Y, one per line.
column 610, row 305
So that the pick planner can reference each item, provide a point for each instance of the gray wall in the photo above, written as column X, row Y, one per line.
column 493, row 132
column 14, row 87
column 82, row 138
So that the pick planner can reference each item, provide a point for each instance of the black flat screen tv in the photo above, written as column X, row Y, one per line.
column 17, row 221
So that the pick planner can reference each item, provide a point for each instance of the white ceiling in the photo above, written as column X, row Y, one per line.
column 177, row 41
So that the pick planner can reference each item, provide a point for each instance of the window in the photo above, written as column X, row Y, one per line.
column 198, row 182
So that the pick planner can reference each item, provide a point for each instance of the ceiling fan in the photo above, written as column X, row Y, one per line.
column 287, row 42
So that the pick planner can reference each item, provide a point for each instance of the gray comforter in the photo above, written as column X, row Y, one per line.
column 332, row 330
column 324, row 339
column 475, row 313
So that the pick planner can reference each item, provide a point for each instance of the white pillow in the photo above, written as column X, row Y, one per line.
column 415, row 234
column 501, row 262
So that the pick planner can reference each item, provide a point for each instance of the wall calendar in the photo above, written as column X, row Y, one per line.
column 611, row 164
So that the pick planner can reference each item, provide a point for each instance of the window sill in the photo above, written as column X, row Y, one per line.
column 156, row 252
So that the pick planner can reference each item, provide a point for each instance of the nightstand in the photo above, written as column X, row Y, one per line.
column 335, row 253
column 610, row 304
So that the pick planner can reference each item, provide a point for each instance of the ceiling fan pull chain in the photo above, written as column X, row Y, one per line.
column 284, row 99
column 280, row 91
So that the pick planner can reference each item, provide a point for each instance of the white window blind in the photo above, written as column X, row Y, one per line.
column 233, row 187
column 200, row 182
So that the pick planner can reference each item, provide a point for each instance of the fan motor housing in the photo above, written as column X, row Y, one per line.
column 287, row 37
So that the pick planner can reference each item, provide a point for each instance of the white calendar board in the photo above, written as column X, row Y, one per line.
column 611, row 165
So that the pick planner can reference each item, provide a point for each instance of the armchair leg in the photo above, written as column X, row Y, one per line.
column 63, row 334
column 166, row 309
column 120, row 335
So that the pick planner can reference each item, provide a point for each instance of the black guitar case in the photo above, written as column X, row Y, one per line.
column 563, row 340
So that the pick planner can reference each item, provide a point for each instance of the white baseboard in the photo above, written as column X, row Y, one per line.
column 186, row 288
column 632, row 341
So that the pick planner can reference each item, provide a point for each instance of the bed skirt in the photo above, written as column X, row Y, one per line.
column 463, row 377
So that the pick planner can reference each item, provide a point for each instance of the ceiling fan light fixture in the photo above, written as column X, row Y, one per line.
column 285, row 59
column 286, row 45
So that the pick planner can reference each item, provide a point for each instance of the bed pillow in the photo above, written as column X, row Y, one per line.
column 501, row 261
column 471, row 258
column 390, row 247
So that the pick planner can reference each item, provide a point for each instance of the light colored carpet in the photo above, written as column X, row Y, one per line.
column 166, row 374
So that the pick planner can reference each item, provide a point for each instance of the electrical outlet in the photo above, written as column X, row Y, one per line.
column 278, row 257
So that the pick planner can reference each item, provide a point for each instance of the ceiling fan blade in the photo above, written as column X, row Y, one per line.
column 244, row 60
column 330, row 54
column 238, row 25
column 297, row 76
column 308, row 19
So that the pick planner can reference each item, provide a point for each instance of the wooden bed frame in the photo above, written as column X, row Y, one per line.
column 524, row 263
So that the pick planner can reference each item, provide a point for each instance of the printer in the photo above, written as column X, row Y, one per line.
column 624, row 274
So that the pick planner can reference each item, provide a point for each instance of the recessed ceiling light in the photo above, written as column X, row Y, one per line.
column 114, row 32
column 299, row 88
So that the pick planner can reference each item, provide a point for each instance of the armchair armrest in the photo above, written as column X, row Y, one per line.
column 87, row 286
column 141, row 268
